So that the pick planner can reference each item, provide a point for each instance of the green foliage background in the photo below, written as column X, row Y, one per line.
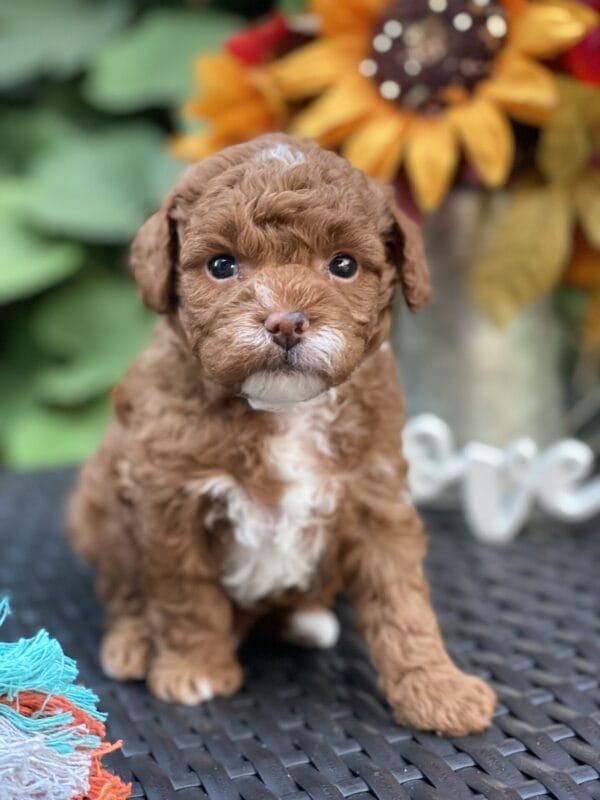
column 89, row 91
column 89, row 94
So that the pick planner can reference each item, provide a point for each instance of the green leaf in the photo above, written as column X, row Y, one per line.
column 32, row 435
column 292, row 6
column 571, row 303
column 526, row 252
column 101, row 186
column 564, row 146
column 28, row 262
column 18, row 363
column 42, row 437
column 587, row 203
column 92, row 329
column 54, row 37
column 26, row 132
column 152, row 64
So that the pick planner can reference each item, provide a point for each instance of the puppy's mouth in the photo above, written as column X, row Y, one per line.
column 292, row 360
column 280, row 376
column 317, row 352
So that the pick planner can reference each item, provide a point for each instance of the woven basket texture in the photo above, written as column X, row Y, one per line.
column 312, row 724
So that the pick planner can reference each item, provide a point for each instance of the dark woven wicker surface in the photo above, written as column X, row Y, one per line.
column 312, row 725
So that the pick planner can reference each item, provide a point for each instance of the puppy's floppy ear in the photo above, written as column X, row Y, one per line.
column 408, row 252
column 153, row 258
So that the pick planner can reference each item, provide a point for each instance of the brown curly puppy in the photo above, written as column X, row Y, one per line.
column 253, row 465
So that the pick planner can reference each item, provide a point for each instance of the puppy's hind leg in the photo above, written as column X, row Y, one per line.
column 100, row 525
column 125, row 646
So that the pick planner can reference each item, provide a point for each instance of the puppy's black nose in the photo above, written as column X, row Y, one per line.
column 286, row 327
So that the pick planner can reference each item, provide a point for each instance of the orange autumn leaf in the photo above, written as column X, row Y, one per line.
column 584, row 267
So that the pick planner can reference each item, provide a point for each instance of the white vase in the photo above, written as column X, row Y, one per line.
column 489, row 384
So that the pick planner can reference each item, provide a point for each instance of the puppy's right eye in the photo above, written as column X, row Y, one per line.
column 223, row 266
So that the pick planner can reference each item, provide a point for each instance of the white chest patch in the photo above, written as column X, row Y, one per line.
column 280, row 549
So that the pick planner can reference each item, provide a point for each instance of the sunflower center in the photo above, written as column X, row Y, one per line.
column 426, row 53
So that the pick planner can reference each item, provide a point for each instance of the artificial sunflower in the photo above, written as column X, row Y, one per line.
column 240, row 101
column 418, row 83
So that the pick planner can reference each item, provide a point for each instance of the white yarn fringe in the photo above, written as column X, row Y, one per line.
column 30, row 770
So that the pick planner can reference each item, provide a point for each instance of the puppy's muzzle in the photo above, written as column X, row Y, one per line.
column 287, row 327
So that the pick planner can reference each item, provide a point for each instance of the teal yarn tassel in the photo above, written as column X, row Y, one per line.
column 57, row 731
column 51, row 732
column 39, row 664
column 4, row 609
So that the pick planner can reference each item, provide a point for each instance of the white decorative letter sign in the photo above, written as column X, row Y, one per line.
column 499, row 487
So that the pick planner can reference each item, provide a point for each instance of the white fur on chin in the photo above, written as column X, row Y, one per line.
column 277, row 391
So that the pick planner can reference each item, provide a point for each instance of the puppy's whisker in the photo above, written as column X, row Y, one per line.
column 324, row 348
column 257, row 337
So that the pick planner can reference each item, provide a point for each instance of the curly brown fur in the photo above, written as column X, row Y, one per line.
column 217, row 496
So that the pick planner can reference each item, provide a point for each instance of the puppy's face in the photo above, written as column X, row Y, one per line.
column 278, row 260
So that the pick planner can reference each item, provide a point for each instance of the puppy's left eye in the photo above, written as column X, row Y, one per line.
column 343, row 266
column 223, row 266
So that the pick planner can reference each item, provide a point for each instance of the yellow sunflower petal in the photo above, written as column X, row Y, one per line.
column 545, row 29
column 526, row 90
column 339, row 108
column 263, row 83
column 242, row 101
column 348, row 16
column 244, row 120
column 513, row 7
column 487, row 139
column 431, row 157
column 219, row 74
column 334, row 137
column 377, row 146
column 315, row 67
column 195, row 146
column 222, row 80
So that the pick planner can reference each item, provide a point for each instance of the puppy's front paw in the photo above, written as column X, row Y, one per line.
column 188, row 678
column 443, row 699
column 125, row 650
